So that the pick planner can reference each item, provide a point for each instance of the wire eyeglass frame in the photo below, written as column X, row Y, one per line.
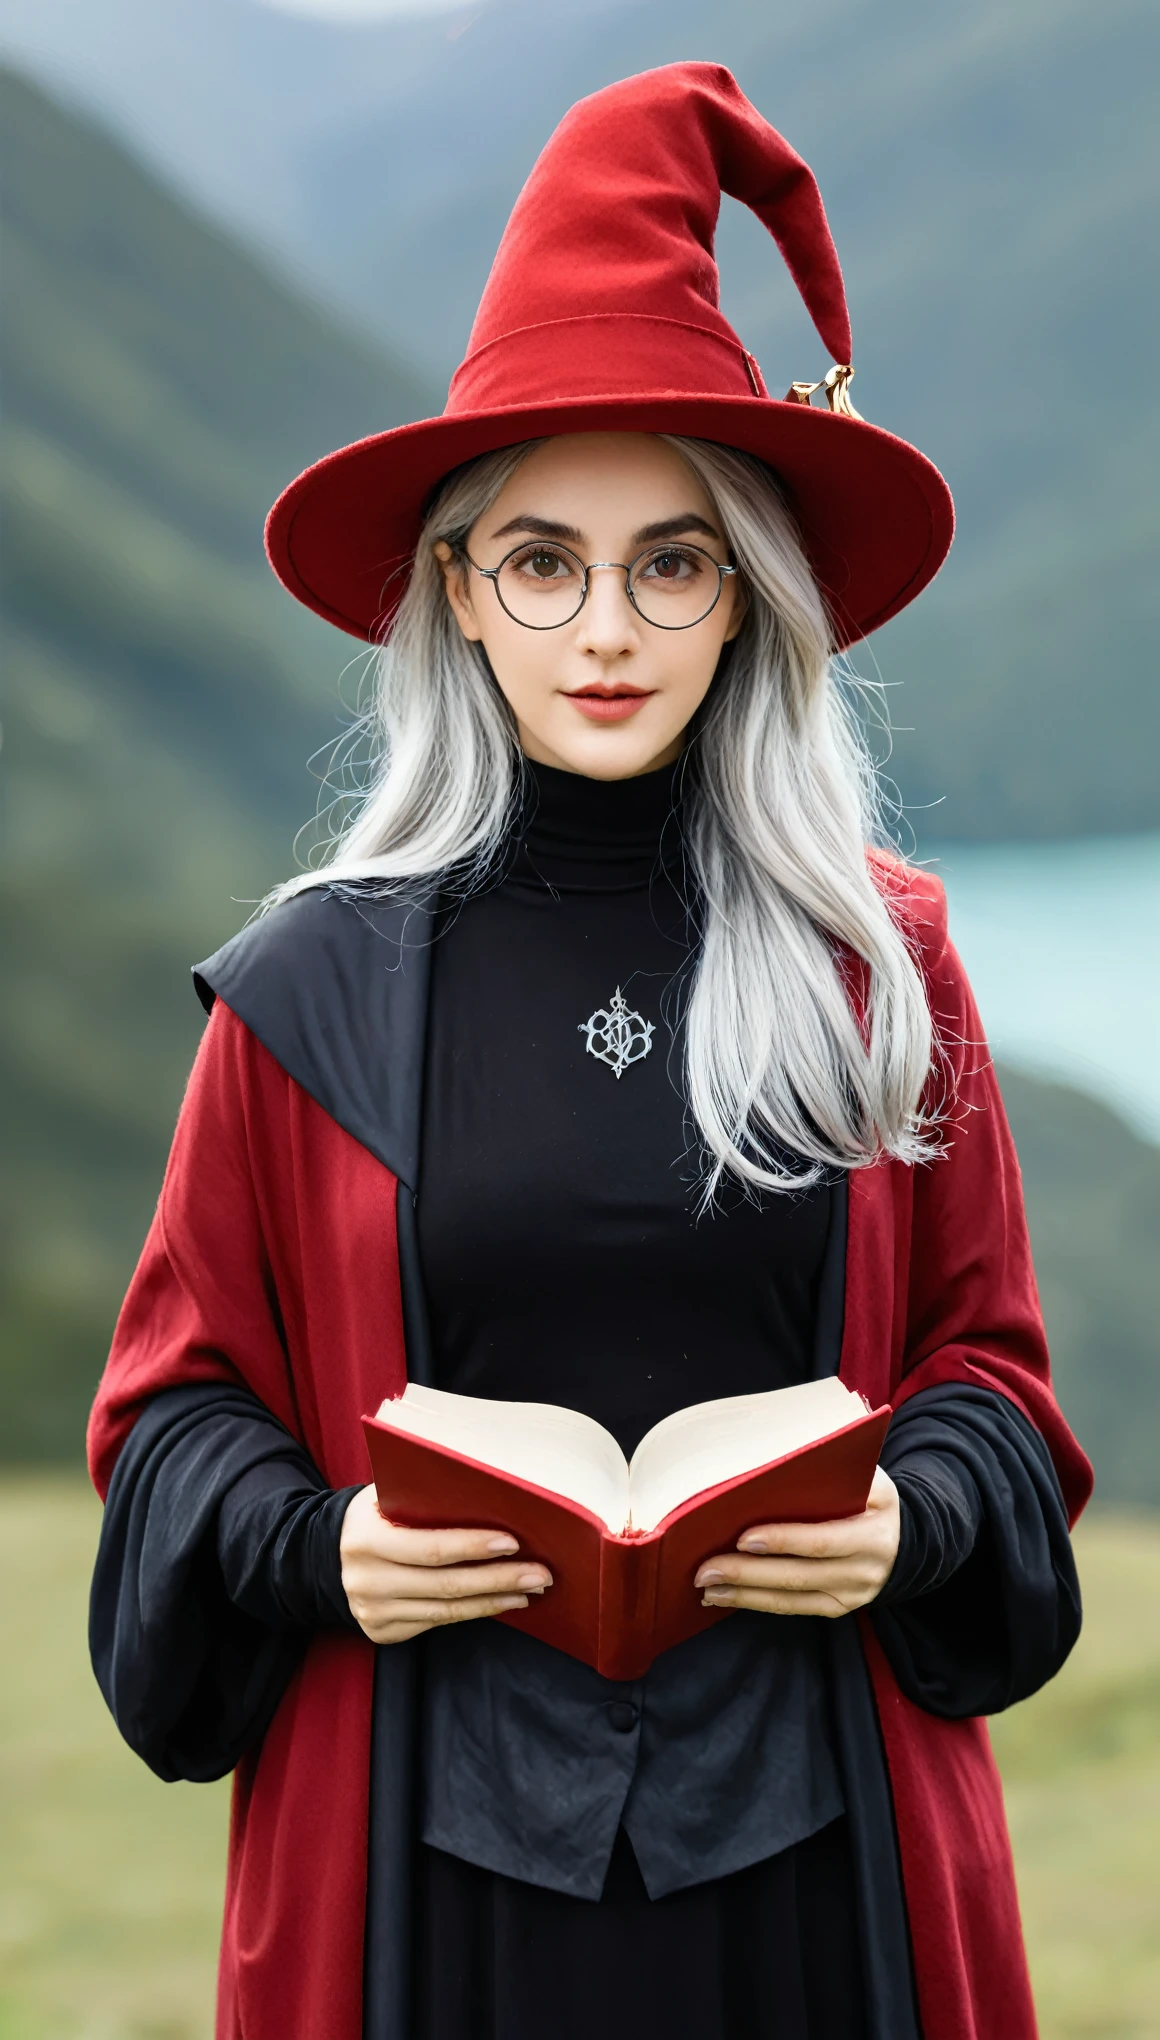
column 492, row 574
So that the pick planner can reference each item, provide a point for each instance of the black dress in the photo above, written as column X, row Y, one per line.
column 770, row 1953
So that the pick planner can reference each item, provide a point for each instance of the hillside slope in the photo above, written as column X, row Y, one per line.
column 162, row 699
column 162, row 695
column 993, row 177
column 1093, row 1206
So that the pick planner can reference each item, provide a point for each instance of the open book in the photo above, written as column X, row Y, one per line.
column 623, row 1540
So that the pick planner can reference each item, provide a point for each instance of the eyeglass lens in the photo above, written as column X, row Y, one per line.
column 673, row 586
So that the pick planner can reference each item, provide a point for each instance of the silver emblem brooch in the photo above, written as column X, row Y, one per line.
column 616, row 1035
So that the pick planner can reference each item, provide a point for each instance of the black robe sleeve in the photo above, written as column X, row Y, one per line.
column 218, row 1557
column 983, row 1604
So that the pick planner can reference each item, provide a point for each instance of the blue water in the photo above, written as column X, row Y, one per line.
column 1062, row 944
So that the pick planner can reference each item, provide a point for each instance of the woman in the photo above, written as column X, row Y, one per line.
column 603, row 1064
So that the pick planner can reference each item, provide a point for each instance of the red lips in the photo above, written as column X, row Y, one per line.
column 610, row 704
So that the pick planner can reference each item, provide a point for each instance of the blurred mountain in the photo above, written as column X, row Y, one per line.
column 162, row 695
column 992, row 174
column 223, row 97
column 162, row 698
column 1093, row 1205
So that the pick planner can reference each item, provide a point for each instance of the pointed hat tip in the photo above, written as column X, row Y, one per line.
column 653, row 153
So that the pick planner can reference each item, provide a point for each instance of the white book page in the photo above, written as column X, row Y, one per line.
column 555, row 1448
column 698, row 1447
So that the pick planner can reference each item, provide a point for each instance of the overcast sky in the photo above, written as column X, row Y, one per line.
column 361, row 10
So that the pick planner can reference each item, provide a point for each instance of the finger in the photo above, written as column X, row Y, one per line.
column 365, row 1528
column 765, row 1601
column 831, row 1538
column 795, row 1571
column 438, row 1614
column 795, row 1575
column 808, row 1540
column 397, row 1624
column 441, row 1547
column 381, row 1580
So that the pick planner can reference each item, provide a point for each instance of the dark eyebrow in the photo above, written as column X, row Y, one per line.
column 542, row 527
column 649, row 534
column 672, row 527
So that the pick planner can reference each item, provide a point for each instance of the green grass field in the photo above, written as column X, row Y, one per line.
column 110, row 1883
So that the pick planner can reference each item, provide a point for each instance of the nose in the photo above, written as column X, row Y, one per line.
column 608, row 625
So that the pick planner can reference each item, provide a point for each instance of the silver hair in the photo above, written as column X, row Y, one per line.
column 786, row 1077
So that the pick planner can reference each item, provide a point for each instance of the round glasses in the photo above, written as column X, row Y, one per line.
column 543, row 585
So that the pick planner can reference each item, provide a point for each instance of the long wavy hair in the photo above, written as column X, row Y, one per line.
column 807, row 1032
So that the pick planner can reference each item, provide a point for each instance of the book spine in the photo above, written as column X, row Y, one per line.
column 629, row 1573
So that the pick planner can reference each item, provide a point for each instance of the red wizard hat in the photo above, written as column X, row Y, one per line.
column 601, row 314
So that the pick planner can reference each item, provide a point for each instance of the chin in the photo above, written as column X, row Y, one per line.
column 603, row 760
column 609, row 752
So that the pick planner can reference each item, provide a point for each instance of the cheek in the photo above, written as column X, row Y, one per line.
column 523, row 665
column 691, row 669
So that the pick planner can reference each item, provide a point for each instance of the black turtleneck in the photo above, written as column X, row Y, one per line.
column 564, row 1257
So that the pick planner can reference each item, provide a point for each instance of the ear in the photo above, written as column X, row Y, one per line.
column 457, row 582
column 740, row 595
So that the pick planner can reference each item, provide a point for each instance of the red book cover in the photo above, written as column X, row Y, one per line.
column 618, row 1601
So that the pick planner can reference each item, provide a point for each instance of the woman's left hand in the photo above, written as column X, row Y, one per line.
column 809, row 1568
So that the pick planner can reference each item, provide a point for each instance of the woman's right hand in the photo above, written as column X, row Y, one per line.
column 400, row 1582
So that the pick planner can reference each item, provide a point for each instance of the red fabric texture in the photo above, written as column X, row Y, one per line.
column 653, row 154
column 272, row 1261
column 602, row 313
column 961, row 1900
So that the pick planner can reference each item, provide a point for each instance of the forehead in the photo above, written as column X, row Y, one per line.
column 632, row 474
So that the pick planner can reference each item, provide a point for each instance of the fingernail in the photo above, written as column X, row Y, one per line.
column 715, row 1598
column 514, row 1601
column 753, row 1544
column 533, row 1582
column 708, row 1579
column 503, row 1546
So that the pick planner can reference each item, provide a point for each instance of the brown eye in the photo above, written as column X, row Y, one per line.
column 540, row 565
column 668, row 566
column 672, row 567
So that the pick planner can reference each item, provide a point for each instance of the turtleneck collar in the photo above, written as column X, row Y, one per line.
column 597, row 835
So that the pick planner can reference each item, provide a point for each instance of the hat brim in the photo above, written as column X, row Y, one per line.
column 875, row 515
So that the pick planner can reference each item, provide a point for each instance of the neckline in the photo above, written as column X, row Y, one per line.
column 597, row 835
